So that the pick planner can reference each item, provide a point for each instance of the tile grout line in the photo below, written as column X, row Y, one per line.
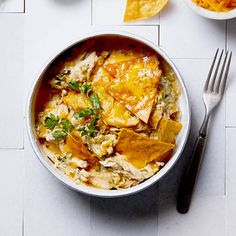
column 24, row 130
column 12, row 12
column 16, row 149
column 128, row 25
column 23, row 198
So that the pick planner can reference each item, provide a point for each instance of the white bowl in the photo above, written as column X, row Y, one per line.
column 211, row 14
column 181, row 140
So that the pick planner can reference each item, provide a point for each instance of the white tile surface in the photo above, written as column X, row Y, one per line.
column 187, row 35
column 206, row 217
column 107, row 12
column 11, row 195
column 231, row 182
column 50, row 208
column 231, row 95
column 11, row 64
column 11, row 6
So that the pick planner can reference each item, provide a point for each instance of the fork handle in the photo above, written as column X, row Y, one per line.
column 189, row 178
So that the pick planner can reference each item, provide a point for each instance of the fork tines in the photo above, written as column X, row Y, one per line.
column 218, row 73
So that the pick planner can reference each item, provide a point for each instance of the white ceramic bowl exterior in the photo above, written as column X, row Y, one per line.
column 181, row 139
column 211, row 14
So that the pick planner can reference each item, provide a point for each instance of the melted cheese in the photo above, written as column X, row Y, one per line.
column 140, row 150
column 120, row 117
column 114, row 113
column 168, row 130
column 76, row 100
column 75, row 145
column 137, row 89
column 118, row 69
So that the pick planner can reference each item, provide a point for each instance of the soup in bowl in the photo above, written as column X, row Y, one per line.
column 109, row 115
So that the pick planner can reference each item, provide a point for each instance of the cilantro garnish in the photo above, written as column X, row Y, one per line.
column 91, row 128
column 84, row 113
column 74, row 85
column 67, row 126
column 51, row 121
column 59, row 134
column 95, row 101
column 84, row 88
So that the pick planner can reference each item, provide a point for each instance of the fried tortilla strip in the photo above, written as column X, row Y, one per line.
column 143, row 9
column 155, row 116
column 140, row 150
column 118, row 69
column 114, row 113
column 75, row 145
column 119, row 62
column 137, row 89
column 168, row 130
column 77, row 100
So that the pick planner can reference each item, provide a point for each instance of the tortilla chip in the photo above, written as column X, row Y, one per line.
column 137, row 89
column 140, row 150
column 114, row 114
column 118, row 69
column 143, row 9
column 155, row 116
column 120, row 61
column 75, row 145
column 168, row 130
column 77, row 100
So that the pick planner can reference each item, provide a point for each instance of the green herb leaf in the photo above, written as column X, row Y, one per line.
column 95, row 101
column 83, row 113
column 67, row 126
column 90, row 129
column 59, row 134
column 51, row 121
column 87, row 132
column 86, row 88
column 75, row 85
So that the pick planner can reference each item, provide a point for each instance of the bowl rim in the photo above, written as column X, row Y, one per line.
column 211, row 14
column 91, row 191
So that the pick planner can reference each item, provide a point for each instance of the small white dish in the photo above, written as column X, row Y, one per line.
column 211, row 14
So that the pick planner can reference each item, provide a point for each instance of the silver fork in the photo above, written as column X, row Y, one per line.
column 212, row 95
